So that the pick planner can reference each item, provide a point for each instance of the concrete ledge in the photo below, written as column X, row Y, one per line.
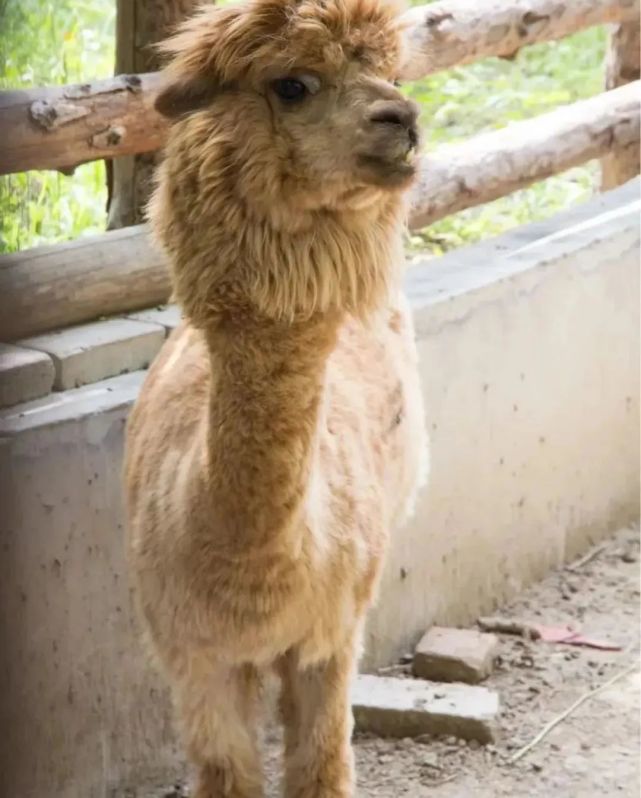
column 69, row 406
column 24, row 374
column 530, row 365
column 83, row 354
column 92, row 352
column 168, row 316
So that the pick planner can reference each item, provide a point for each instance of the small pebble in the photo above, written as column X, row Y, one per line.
column 430, row 760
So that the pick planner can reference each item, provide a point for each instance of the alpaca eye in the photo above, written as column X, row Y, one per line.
column 290, row 89
column 398, row 84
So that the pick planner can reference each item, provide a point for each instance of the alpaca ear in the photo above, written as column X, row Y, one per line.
column 185, row 95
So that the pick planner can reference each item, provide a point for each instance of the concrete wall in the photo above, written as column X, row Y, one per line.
column 80, row 709
column 529, row 351
column 530, row 358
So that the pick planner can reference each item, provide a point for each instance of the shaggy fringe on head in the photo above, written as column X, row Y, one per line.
column 242, row 39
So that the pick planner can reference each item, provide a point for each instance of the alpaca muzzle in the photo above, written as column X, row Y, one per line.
column 392, row 142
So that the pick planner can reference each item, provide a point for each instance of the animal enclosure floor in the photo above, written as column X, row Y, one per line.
column 593, row 752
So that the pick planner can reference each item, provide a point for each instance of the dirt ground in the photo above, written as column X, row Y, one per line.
column 593, row 752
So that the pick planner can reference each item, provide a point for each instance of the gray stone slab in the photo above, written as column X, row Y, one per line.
column 24, row 374
column 75, row 405
column 392, row 707
column 168, row 316
column 92, row 352
column 455, row 655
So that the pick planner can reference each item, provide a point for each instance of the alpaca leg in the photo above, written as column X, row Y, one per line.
column 218, row 709
column 318, row 723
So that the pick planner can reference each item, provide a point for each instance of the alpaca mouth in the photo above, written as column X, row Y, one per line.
column 392, row 170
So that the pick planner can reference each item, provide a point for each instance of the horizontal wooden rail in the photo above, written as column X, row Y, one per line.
column 58, row 128
column 54, row 286
column 63, row 126
column 488, row 166
column 447, row 34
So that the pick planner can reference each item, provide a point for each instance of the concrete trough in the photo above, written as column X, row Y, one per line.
column 529, row 352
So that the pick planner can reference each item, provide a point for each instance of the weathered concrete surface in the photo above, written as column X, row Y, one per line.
column 529, row 352
column 81, row 710
column 393, row 707
column 168, row 316
column 24, row 374
column 530, row 369
column 91, row 352
column 455, row 655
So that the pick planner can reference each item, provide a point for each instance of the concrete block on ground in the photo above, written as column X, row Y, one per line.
column 392, row 707
column 92, row 352
column 24, row 375
column 455, row 655
column 168, row 316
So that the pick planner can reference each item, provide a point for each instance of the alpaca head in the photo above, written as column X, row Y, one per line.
column 290, row 147
column 306, row 90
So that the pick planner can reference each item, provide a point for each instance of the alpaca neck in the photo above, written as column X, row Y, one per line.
column 266, row 393
column 268, row 289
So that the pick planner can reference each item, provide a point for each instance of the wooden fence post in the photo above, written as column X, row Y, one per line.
column 140, row 24
column 622, row 66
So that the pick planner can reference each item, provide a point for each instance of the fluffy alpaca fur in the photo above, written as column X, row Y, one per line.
column 279, row 435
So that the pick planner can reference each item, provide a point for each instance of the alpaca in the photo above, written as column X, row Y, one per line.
column 278, row 437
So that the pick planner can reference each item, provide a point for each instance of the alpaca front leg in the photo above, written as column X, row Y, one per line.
column 317, row 714
column 217, row 709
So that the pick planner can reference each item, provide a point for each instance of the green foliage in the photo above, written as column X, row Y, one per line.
column 465, row 101
column 44, row 42
column 47, row 42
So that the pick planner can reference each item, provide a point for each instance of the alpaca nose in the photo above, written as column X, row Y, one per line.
column 399, row 113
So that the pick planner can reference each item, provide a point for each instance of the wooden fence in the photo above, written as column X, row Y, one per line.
column 61, row 127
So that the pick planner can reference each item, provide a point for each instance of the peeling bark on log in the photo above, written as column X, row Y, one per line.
column 494, row 164
column 622, row 66
column 446, row 34
column 49, row 287
column 110, row 123
column 139, row 25
column 54, row 286
column 61, row 127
